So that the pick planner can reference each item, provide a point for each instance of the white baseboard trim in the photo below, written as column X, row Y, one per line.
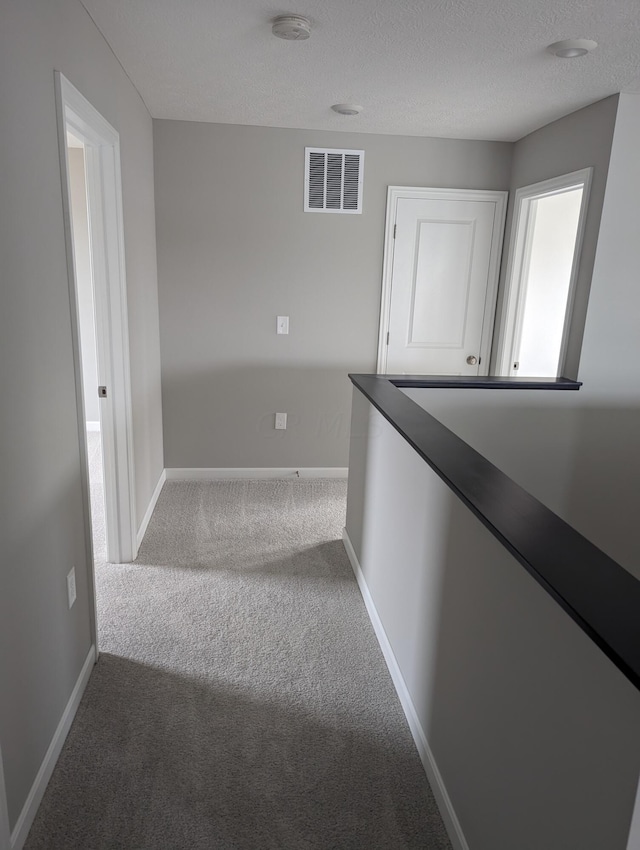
column 633, row 842
column 28, row 813
column 5, row 836
column 451, row 822
column 260, row 472
column 152, row 504
column 92, row 426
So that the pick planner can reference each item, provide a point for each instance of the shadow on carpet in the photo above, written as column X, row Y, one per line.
column 159, row 760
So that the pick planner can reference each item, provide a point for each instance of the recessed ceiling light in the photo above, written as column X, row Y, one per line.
column 291, row 27
column 347, row 108
column 571, row 48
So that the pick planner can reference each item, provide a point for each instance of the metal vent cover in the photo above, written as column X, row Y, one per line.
column 333, row 180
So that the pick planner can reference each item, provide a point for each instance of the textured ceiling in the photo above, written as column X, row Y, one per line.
column 454, row 68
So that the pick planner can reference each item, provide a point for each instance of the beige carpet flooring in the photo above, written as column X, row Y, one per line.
column 241, row 701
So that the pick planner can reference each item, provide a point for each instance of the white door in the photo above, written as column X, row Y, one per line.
column 441, row 289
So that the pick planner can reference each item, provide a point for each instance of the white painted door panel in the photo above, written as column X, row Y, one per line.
column 442, row 264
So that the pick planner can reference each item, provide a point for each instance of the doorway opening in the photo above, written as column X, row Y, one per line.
column 87, row 337
column 541, row 272
column 92, row 198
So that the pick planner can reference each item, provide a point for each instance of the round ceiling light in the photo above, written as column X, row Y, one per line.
column 291, row 27
column 571, row 48
column 347, row 108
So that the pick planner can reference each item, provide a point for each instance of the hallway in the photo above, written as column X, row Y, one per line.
column 241, row 700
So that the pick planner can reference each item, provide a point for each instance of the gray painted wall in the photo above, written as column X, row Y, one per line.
column 579, row 453
column 529, row 435
column 458, row 610
column 42, row 644
column 84, row 284
column 235, row 250
column 605, row 486
column 580, row 140
column 535, row 733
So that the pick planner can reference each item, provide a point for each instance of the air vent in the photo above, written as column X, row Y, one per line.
column 333, row 180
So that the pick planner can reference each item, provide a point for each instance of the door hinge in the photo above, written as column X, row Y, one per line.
column 102, row 392
column 395, row 227
column 387, row 337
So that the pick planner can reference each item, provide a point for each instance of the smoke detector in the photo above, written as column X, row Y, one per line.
column 291, row 27
column 347, row 108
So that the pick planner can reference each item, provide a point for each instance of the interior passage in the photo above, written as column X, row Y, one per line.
column 241, row 699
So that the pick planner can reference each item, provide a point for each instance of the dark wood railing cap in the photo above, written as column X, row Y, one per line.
column 596, row 592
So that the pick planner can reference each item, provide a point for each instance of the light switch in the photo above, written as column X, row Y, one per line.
column 281, row 421
column 283, row 325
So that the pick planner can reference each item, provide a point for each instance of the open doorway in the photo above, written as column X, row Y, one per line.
column 543, row 261
column 88, row 347
column 91, row 189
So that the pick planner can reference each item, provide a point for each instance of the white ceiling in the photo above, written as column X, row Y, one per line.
column 453, row 68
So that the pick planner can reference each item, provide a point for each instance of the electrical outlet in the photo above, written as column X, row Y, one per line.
column 282, row 325
column 71, row 586
column 281, row 421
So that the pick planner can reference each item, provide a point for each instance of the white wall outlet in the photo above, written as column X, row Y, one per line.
column 71, row 586
column 281, row 421
column 282, row 325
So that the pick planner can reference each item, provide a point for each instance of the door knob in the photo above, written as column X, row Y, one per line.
column 472, row 360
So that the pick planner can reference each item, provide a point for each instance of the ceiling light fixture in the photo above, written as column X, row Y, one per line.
column 347, row 108
column 291, row 27
column 571, row 48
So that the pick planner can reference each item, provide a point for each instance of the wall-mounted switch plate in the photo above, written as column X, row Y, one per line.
column 281, row 421
column 71, row 586
column 282, row 325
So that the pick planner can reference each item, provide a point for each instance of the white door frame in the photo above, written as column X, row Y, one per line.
column 104, row 195
column 518, row 260
column 396, row 193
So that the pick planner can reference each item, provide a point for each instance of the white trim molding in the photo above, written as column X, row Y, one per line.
column 152, row 504
column 5, row 835
column 28, row 813
column 104, row 200
column 92, row 426
column 633, row 842
column 397, row 193
column 260, row 472
column 451, row 822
